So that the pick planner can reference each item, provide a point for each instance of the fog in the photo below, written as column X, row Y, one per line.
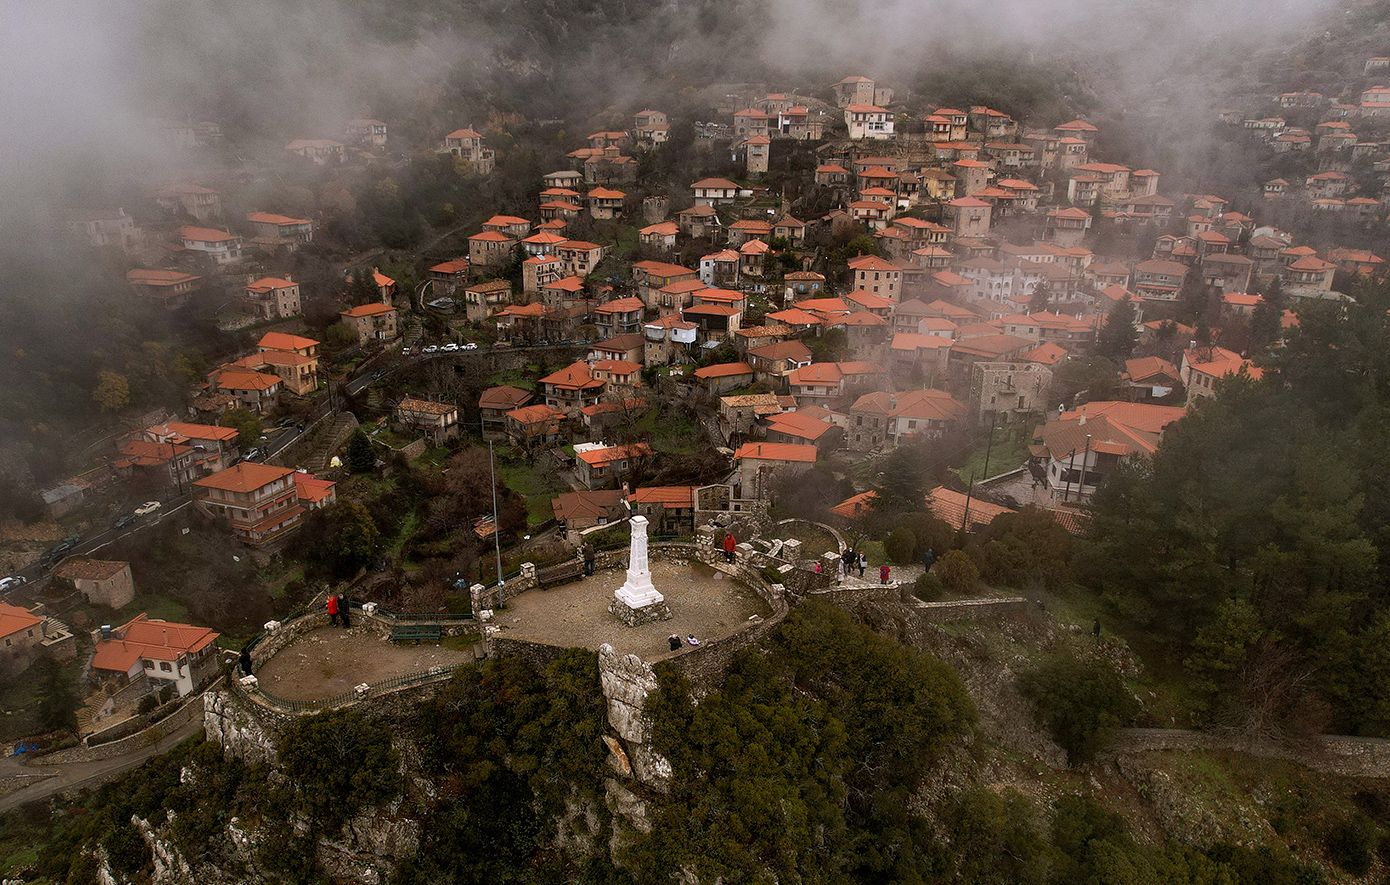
column 83, row 82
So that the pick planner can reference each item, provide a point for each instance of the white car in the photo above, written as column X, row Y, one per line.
column 147, row 508
column 450, row 347
column 472, row 345
column 12, row 582
column 432, row 348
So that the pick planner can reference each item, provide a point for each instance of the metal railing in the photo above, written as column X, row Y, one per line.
column 375, row 689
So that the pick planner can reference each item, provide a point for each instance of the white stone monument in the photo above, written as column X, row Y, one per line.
column 637, row 601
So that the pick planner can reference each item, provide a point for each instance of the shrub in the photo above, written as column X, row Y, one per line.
column 1081, row 701
column 928, row 587
column 343, row 762
column 901, row 545
column 1348, row 844
column 147, row 703
column 957, row 572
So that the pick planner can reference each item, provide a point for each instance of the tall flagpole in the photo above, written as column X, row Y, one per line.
column 496, row 537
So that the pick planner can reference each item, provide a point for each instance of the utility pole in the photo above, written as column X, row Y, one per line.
column 496, row 529
column 1081, row 485
column 965, row 517
column 990, row 445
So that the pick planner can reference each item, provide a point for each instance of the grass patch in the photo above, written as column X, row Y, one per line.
column 1009, row 452
column 513, row 378
column 157, row 607
column 460, row 643
column 536, row 485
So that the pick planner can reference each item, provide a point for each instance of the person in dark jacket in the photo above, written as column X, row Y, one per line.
column 928, row 559
column 244, row 661
column 344, row 609
column 674, row 641
column 589, row 556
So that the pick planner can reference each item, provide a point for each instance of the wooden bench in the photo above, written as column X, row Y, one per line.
column 570, row 570
column 416, row 632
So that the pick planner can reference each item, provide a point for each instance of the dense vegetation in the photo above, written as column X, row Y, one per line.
column 1254, row 544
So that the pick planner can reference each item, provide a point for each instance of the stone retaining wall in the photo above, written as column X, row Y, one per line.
column 966, row 609
column 189, row 712
column 1339, row 755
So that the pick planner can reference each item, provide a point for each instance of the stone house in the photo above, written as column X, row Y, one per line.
column 436, row 421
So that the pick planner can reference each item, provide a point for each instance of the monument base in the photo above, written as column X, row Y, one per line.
column 644, row 614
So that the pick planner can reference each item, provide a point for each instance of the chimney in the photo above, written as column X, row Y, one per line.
column 1082, row 422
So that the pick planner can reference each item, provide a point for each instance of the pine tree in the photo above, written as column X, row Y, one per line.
column 1042, row 298
column 360, row 457
column 1267, row 320
column 1118, row 336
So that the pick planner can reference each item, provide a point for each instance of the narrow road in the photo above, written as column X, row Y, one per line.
column 73, row 775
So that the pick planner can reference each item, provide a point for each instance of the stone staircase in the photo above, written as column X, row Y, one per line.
column 328, row 441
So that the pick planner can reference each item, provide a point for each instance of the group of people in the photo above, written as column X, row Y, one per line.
column 674, row 641
column 339, row 609
column 850, row 560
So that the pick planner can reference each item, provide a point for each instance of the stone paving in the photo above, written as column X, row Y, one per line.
column 704, row 602
column 328, row 661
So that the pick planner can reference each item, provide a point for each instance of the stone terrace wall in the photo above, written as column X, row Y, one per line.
column 1331, row 754
column 706, row 665
column 537, row 654
column 966, row 609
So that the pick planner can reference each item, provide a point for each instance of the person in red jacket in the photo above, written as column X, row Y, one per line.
column 883, row 574
column 729, row 545
column 332, row 611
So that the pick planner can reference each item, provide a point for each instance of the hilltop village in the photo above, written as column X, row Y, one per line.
column 695, row 321
column 557, row 453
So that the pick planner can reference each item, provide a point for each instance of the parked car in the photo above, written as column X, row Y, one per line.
column 286, row 422
column 252, row 455
column 451, row 347
column 11, row 582
column 67, row 544
column 123, row 520
column 149, row 507
column 431, row 348
column 472, row 345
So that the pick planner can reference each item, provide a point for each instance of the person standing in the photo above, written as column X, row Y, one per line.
column 245, row 662
column 589, row 555
column 883, row 573
column 863, row 563
column 332, row 611
column 847, row 560
column 1095, row 630
column 928, row 560
column 344, row 608
column 729, row 545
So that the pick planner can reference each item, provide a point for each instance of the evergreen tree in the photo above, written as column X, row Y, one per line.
column 1041, row 299
column 360, row 457
column 1267, row 320
column 1118, row 336
column 57, row 697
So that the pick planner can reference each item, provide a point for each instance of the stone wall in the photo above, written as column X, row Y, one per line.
column 1339, row 755
column 189, row 712
column 966, row 609
column 537, row 654
column 313, row 438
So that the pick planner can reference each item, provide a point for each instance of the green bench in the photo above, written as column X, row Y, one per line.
column 551, row 575
column 415, row 632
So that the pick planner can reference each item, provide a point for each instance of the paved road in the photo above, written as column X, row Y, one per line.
column 73, row 775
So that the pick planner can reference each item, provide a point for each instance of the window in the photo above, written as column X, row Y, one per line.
column 148, row 664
